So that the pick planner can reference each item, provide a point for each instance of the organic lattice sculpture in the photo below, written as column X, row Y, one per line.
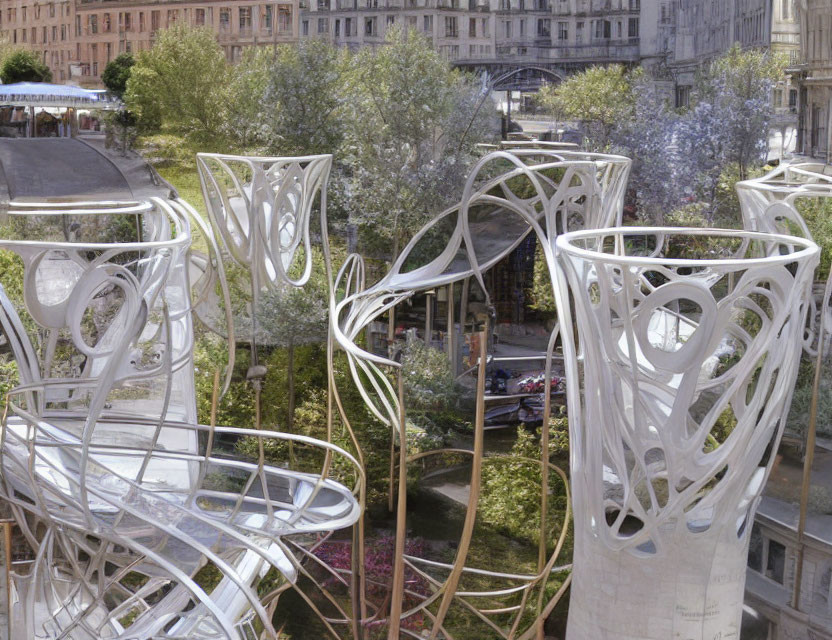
column 540, row 191
column 508, row 196
column 771, row 202
column 123, row 496
column 690, row 345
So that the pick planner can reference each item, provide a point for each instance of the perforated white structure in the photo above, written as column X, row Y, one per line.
column 689, row 343
column 771, row 203
column 540, row 191
column 121, row 493
column 508, row 195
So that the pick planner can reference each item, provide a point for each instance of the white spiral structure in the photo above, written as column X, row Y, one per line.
column 689, row 342
column 121, row 493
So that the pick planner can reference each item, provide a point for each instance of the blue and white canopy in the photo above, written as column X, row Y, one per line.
column 42, row 94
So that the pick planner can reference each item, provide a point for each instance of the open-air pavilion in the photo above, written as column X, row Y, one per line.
column 39, row 109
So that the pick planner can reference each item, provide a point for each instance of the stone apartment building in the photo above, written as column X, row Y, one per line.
column 556, row 37
column 550, row 34
column 77, row 38
column 813, row 68
column 706, row 28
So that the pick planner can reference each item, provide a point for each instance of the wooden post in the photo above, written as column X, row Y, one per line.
column 450, row 343
column 428, row 317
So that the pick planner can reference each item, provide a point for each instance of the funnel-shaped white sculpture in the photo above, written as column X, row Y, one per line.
column 689, row 343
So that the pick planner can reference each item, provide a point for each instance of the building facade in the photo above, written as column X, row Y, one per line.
column 77, row 38
column 771, row 574
column 813, row 68
column 552, row 36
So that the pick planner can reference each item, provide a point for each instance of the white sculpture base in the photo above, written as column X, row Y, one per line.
column 694, row 593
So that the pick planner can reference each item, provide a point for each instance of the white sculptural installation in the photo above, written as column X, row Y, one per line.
column 770, row 203
column 540, row 191
column 689, row 343
column 121, row 493
column 508, row 195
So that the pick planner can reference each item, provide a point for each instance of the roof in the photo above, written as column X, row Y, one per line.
column 43, row 94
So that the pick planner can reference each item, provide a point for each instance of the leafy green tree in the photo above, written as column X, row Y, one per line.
column 412, row 128
column 24, row 66
column 303, row 98
column 117, row 72
column 182, row 82
column 243, row 123
column 600, row 97
column 290, row 317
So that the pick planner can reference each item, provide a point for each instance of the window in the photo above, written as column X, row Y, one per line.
column 155, row 20
column 412, row 22
column 347, row 27
column 792, row 100
column 77, row 25
column 472, row 27
column 507, row 28
column 472, row 51
column 369, row 26
column 542, row 5
column 635, row 5
column 141, row 21
column 602, row 29
column 304, row 27
column 391, row 20
column 199, row 17
column 105, row 23
column 544, row 28
column 682, row 96
column 266, row 18
column 284, row 18
column 225, row 19
column 323, row 25
column 619, row 30
column 632, row 28
column 451, row 30
column 245, row 19
column 776, row 561
column 93, row 24
column 63, row 32
column 337, row 28
column 778, row 98
column 579, row 32
column 522, row 24
column 786, row 10
column 173, row 16
column 484, row 28
column 125, row 21
column 427, row 23
column 563, row 31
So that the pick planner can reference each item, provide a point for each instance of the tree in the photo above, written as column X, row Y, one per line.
column 648, row 137
column 243, row 122
column 600, row 97
column 24, row 66
column 737, row 86
column 303, row 97
column 288, row 317
column 117, row 72
column 412, row 125
column 182, row 81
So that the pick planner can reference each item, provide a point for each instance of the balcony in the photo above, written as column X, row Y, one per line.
column 612, row 52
